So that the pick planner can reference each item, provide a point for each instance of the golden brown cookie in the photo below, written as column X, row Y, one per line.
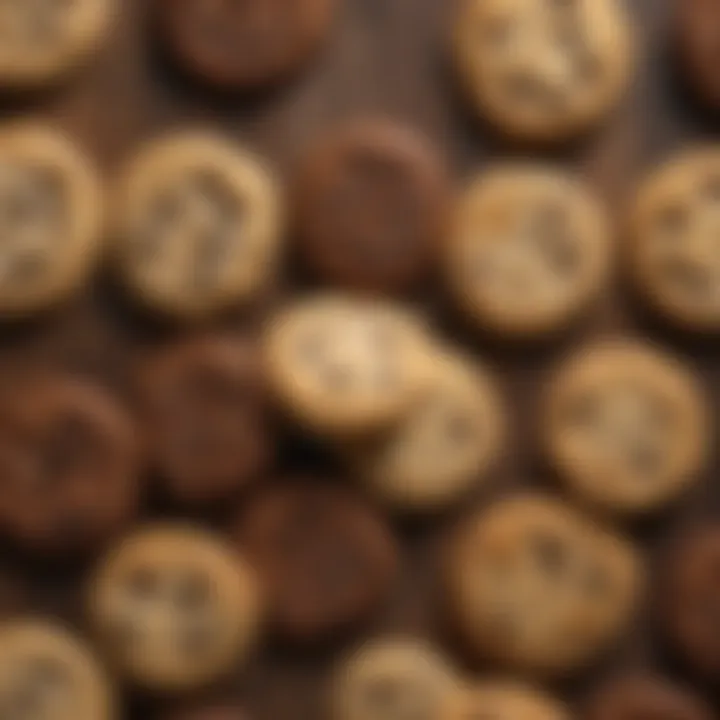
column 198, row 225
column 543, row 70
column 538, row 588
column 529, row 252
column 174, row 608
column 626, row 426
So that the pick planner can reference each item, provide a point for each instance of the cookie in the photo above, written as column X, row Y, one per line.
column 674, row 254
column 198, row 225
column 647, row 696
column 537, row 588
column 243, row 46
column 445, row 446
column 696, row 26
column 393, row 678
column 204, row 409
column 626, row 426
column 174, row 608
column 47, row 673
column 690, row 598
column 43, row 39
column 50, row 218
column 325, row 559
column 344, row 365
column 371, row 207
column 540, row 70
column 70, row 463
column 530, row 250
column 506, row 700
column 206, row 712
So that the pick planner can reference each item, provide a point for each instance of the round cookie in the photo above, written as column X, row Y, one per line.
column 445, row 446
column 198, row 224
column 326, row 560
column 691, row 597
column 371, row 206
column 243, row 45
column 204, row 410
column 47, row 673
column 70, row 463
column 50, row 218
column 174, row 608
column 675, row 251
column 626, row 426
column 538, row 588
column 696, row 24
column 393, row 678
column 505, row 700
column 645, row 696
column 40, row 40
column 543, row 70
column 346, row 366
column 529, row 252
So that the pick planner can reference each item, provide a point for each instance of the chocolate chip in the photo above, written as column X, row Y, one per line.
column 192, row 592
column 550, row 553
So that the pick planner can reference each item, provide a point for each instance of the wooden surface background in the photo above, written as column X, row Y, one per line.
column 385, row 56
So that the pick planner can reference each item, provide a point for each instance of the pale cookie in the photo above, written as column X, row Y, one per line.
column 675, row 250
column 543, row 70
column 40, row 40
column 529, row 252
column 174, row 608
column 198, row 222
column 445, row 446
column 393, row 679
column 536, row 587
column 48, row 674
column 626, row 426
column 345, row 365
column 50, row 218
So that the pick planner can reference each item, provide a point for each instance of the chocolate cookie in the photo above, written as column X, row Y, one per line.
column 530, row 250
column 346, row 366
column 645, row 696
column 541, row 70
column 203, row 403
column 325, row 559
column 173, row 608
column 536, row 587
column 236, row 44
column 506, row 700
column 626, row 426
column 198, row 224
column 371, row 206
column 690, row 599
column 70, row 465
column 50, row 218
column 674, row 253
column 48, row 674
column 393, row 678
column 445, row 446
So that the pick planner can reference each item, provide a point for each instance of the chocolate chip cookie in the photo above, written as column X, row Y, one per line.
column 371, row 206
column 543, row 70
column 626, row 426
column 675, row 251
column 48, row 674
column 536, row 587
column 445, row 446
column 325, row 558
column 174, row 608
column 530, row 250
column 393, row 678
column 70, row 464
column 204, row 409
column 344, row 365
column 50, row 218
column 198, row 225
column 243, row 44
